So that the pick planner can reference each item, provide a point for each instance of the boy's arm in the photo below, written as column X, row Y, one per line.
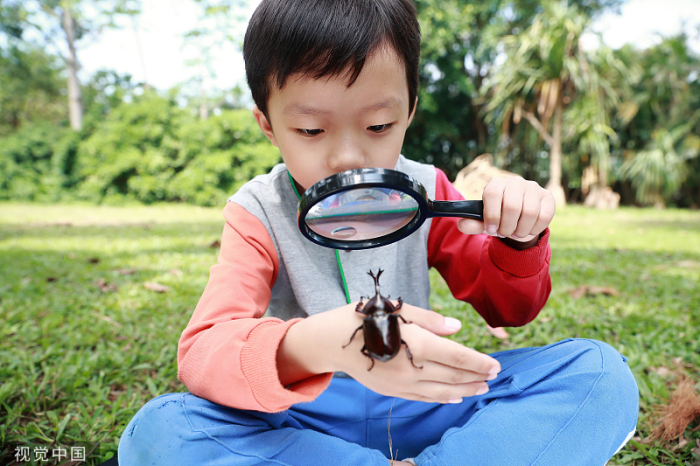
column 506, row 286
column 227, row 353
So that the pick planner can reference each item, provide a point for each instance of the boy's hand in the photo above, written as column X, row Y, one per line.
column 513, row 208
column 450, row 371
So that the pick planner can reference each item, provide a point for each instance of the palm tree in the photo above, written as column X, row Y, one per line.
column 662, row 136
column 544, row 73
column 606, row 86
column 659, row 170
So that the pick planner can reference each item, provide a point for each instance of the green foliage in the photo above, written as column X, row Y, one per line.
column 660, row 124
column 564, row 91
column 226, row 151
column 30, row 88
column 460, row 48
column 149, row 150
column 32, row 162
column 658, row 172
column 152, row 150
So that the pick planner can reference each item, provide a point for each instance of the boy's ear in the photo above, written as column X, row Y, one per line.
column 264, row 125
column 413, row 112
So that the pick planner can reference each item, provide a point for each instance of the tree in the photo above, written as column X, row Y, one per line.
column 219, row 23
column 658, row 171
column 459, row 52
column 74, row 20
column 30, row 88
column 606, row 88
column 661, row 143
column 544, row 71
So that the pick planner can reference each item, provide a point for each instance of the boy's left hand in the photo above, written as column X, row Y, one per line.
column 513, row 208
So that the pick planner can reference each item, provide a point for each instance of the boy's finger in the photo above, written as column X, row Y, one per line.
column 511, row 210
column 493, row 200
column 532, row 204
column 451, row 353
column 547, row 210
column 436, row 392
column 450, row 376
column 469, row 226
column 446, row 393
column 431, row 320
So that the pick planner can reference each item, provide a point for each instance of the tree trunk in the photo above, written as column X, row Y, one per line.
column 203, row 107
column 602, row 175
column 554, row 185
column 75, row 97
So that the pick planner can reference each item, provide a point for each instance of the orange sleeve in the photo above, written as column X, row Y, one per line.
column 227, row 353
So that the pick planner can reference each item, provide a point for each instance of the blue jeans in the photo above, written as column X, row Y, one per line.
column 574, row 402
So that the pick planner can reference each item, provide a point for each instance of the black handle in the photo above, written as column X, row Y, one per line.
column 464, row 209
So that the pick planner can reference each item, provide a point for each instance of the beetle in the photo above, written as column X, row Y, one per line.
column 380, row 327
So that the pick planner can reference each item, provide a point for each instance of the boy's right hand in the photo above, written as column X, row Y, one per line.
column 450, row 370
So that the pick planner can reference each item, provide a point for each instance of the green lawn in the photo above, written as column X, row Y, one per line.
column 84, row 343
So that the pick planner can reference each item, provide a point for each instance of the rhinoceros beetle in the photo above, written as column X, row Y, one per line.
column 380, row 327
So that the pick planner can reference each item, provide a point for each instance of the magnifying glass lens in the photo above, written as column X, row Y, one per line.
column 361, row 214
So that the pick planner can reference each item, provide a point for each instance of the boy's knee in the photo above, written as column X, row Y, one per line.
column 153, row 431
column 613, row 389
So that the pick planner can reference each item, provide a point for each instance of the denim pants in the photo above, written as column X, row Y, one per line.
column 570, row 403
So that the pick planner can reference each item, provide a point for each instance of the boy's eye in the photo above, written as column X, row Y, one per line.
column 309, row 132
column 380, row 128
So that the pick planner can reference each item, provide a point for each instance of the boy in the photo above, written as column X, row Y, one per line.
column 335, row 86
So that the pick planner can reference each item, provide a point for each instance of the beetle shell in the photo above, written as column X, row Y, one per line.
column 380, row 327
column 382, row 335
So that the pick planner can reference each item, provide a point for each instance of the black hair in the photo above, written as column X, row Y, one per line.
column 327, row 38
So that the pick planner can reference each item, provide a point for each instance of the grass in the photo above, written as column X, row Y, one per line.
column 84, row 343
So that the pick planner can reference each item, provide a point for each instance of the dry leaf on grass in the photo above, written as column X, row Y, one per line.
column 683, row 408
column 696, row 450
column 662, row 371
column 108, row 319
column 215, row 244
column 157, row 287
column 590, row 290
column 105, row 287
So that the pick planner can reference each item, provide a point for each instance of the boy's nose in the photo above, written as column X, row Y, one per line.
column 346, row 156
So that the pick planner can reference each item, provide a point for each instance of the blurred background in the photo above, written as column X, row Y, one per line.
column 126, row 100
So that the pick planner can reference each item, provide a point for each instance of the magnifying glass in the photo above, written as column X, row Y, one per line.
column 370, row 207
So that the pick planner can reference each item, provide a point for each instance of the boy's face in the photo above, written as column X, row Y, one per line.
column 323, row 127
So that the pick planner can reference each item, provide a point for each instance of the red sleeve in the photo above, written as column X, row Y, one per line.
column 227, row 353
column 507, row 287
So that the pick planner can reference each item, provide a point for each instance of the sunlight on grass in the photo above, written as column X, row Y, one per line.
column 671, row 230
column 84, row 343
column 14, row 213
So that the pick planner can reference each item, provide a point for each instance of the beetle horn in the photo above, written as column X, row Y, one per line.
column 376, row 281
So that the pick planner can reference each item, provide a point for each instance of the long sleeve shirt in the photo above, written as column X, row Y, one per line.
column 259, row 287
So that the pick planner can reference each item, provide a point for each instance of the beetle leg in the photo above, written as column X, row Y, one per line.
column 398, row 306
column 353, row 336
column 410, row 357
column 360, row 305
column 404, row 320
column 366, row 353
